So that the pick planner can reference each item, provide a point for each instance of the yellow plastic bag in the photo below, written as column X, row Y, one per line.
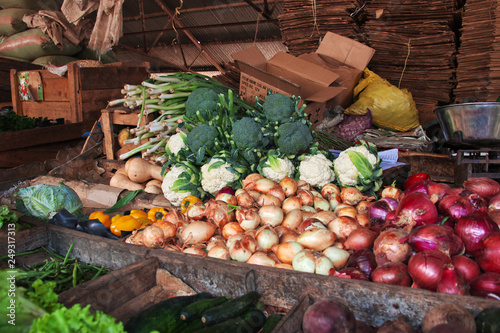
column 392, row 108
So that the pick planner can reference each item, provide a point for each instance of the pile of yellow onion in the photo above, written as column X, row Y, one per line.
column 287, row 224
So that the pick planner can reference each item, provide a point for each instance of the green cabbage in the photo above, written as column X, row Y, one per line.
column 44, row 201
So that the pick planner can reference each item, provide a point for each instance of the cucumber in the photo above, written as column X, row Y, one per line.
column 197, row 308
column 488, row 320
column 271, row 322
column 233, row 308
column 193, row 326
column 163, row 316
column 249, row 322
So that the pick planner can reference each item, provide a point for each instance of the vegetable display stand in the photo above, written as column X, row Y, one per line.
column 371, row 302
column 79, row 96
column 25, row 239
column 118, row 116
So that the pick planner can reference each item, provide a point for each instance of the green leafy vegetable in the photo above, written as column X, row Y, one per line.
column 7, row 216
column 44, row 201
column 44, row 296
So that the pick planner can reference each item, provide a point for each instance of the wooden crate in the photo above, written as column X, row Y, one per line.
column 5, row 67
column 371, row 302
column 81, row 94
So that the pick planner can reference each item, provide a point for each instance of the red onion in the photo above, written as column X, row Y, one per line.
column 328, row 315
column 483, row 186
column 379, row 210
column 426, row 268
column 416, row 209
column 488, row 255
column 455, row 206
column 363, row 260
column 437, row 191
column 495, row 215
column 451, row 282
column 395, row 273
column 436, row 237
column 445, row 220
column 226, row 189
column 473, row 227
column 486, row 285
column 350, row 273
column 420, row 186
column 494, row 202
column 466, row 267
column 391, row 217
column 389, row 248
column 360, row 239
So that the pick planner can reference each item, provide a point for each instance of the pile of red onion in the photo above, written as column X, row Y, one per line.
column 434, row 237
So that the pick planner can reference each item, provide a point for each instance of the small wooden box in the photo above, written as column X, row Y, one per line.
column 80, row 95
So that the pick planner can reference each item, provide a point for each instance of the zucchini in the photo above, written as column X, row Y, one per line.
column 249, row 322
column 233, row 308
column 163, row 316
column 488, row 320
column 272, row 321
column 197, row 308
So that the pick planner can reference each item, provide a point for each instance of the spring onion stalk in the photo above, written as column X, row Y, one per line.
column 142, row 106
column 168, row 78
column 175, row 95
column 156, row 128
column 138, row 102
column 170, row 87
column 131, row 87
column 117, row 101
column 134, row 151
column 153, row 149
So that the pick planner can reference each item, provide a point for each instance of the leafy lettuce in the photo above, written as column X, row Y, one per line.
column 44, row 201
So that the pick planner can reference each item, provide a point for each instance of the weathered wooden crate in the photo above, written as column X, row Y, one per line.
column 81, row 94
column 371, row 302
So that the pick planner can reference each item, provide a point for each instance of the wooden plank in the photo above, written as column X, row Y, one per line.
column 39, row 136
column 51, row 110
column 74, row 89
column 14, row 89
column 292, row 322
column 115, row 288
column 25, row 239
column 109, row 139
column 95, row 78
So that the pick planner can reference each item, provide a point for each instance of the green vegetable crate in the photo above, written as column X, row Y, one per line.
column 136, row 274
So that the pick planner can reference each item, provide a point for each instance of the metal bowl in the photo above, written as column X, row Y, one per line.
column 475, row 124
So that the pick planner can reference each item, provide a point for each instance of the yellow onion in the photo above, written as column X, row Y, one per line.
column 254, row 194
column 362, row 238
column 343, row 226
column 219, row 212
column 169, row 229
column 135, row 238
column 324, row 216
column 250, row 242
column 215, row 241
column 271, row 215
column 196, row 211
column 197, row 232
column 306, row 197
column 264, row 185
column 219, row 252
column 268, row 200
column 239, row 252
column 152, row 236
column 174, row 216
column 227, row 198
column 233, row 239
column 337, row 256
column 230, row 229
column 328, row 189
column 289, row 186
column 171, row 247
column 346, row 210
column 303, row 185
column 266, row 237
column 306, row 214
column 363, row 207
column 248, row 218
column 280, row 229
column 316, row 194
column 278, row 192
column 308, row 209
column 309, row 223
column 249, row 181
column 334, row 201
column 316, row 239
column 289, row 236
column 291, row 203
column 292, row 219
column 352, row 196
column 286, row 251
column 244, row 199
column 198, row 249
column 312, row 262
column 363, row 220
column 321, row 204
column 284, row 266
column 262, row 259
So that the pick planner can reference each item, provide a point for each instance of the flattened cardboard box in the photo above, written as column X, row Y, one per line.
column 323, row 79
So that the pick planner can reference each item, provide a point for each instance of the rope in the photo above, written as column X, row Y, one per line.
column 406, row 60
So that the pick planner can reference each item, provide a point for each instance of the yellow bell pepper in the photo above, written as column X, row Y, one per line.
column 157, row 214
column 102, row 217
column 125, row 223
column 188, row 202
column 138, row 213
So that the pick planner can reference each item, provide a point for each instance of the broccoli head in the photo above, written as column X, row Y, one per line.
column 204, row 100
column 293, row 137
column 247, row 133
column 201, row 136
column 278, row 107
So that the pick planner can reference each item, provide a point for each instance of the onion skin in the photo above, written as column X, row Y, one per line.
column 218, row 212
column 261, row 259
column 452, row 282
column 327, row 315
column 363, row 260
column 394, row 273
column 426, row 268
column 466, row 267
column 389, row 248
column 449, row 313
column 360, row 239
column 289, row 186
column 486, row 285
column 414, row 210
column 197, row 232
column 350, row 273
column 317, row 239
column 494, row 203
column 472, row 228
column 286, row 251
column 153, row 237
column 488, row 254
column 483, row 186
column 436, row 237
column 343, row 226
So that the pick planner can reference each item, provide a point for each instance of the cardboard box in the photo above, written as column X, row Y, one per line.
column 323, row 79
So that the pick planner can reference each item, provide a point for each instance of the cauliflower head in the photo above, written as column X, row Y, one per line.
column 276, row 168
column 347, row 172
column 170, row 177
column 176, row 142
column 215, row 175
column 316, row 170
